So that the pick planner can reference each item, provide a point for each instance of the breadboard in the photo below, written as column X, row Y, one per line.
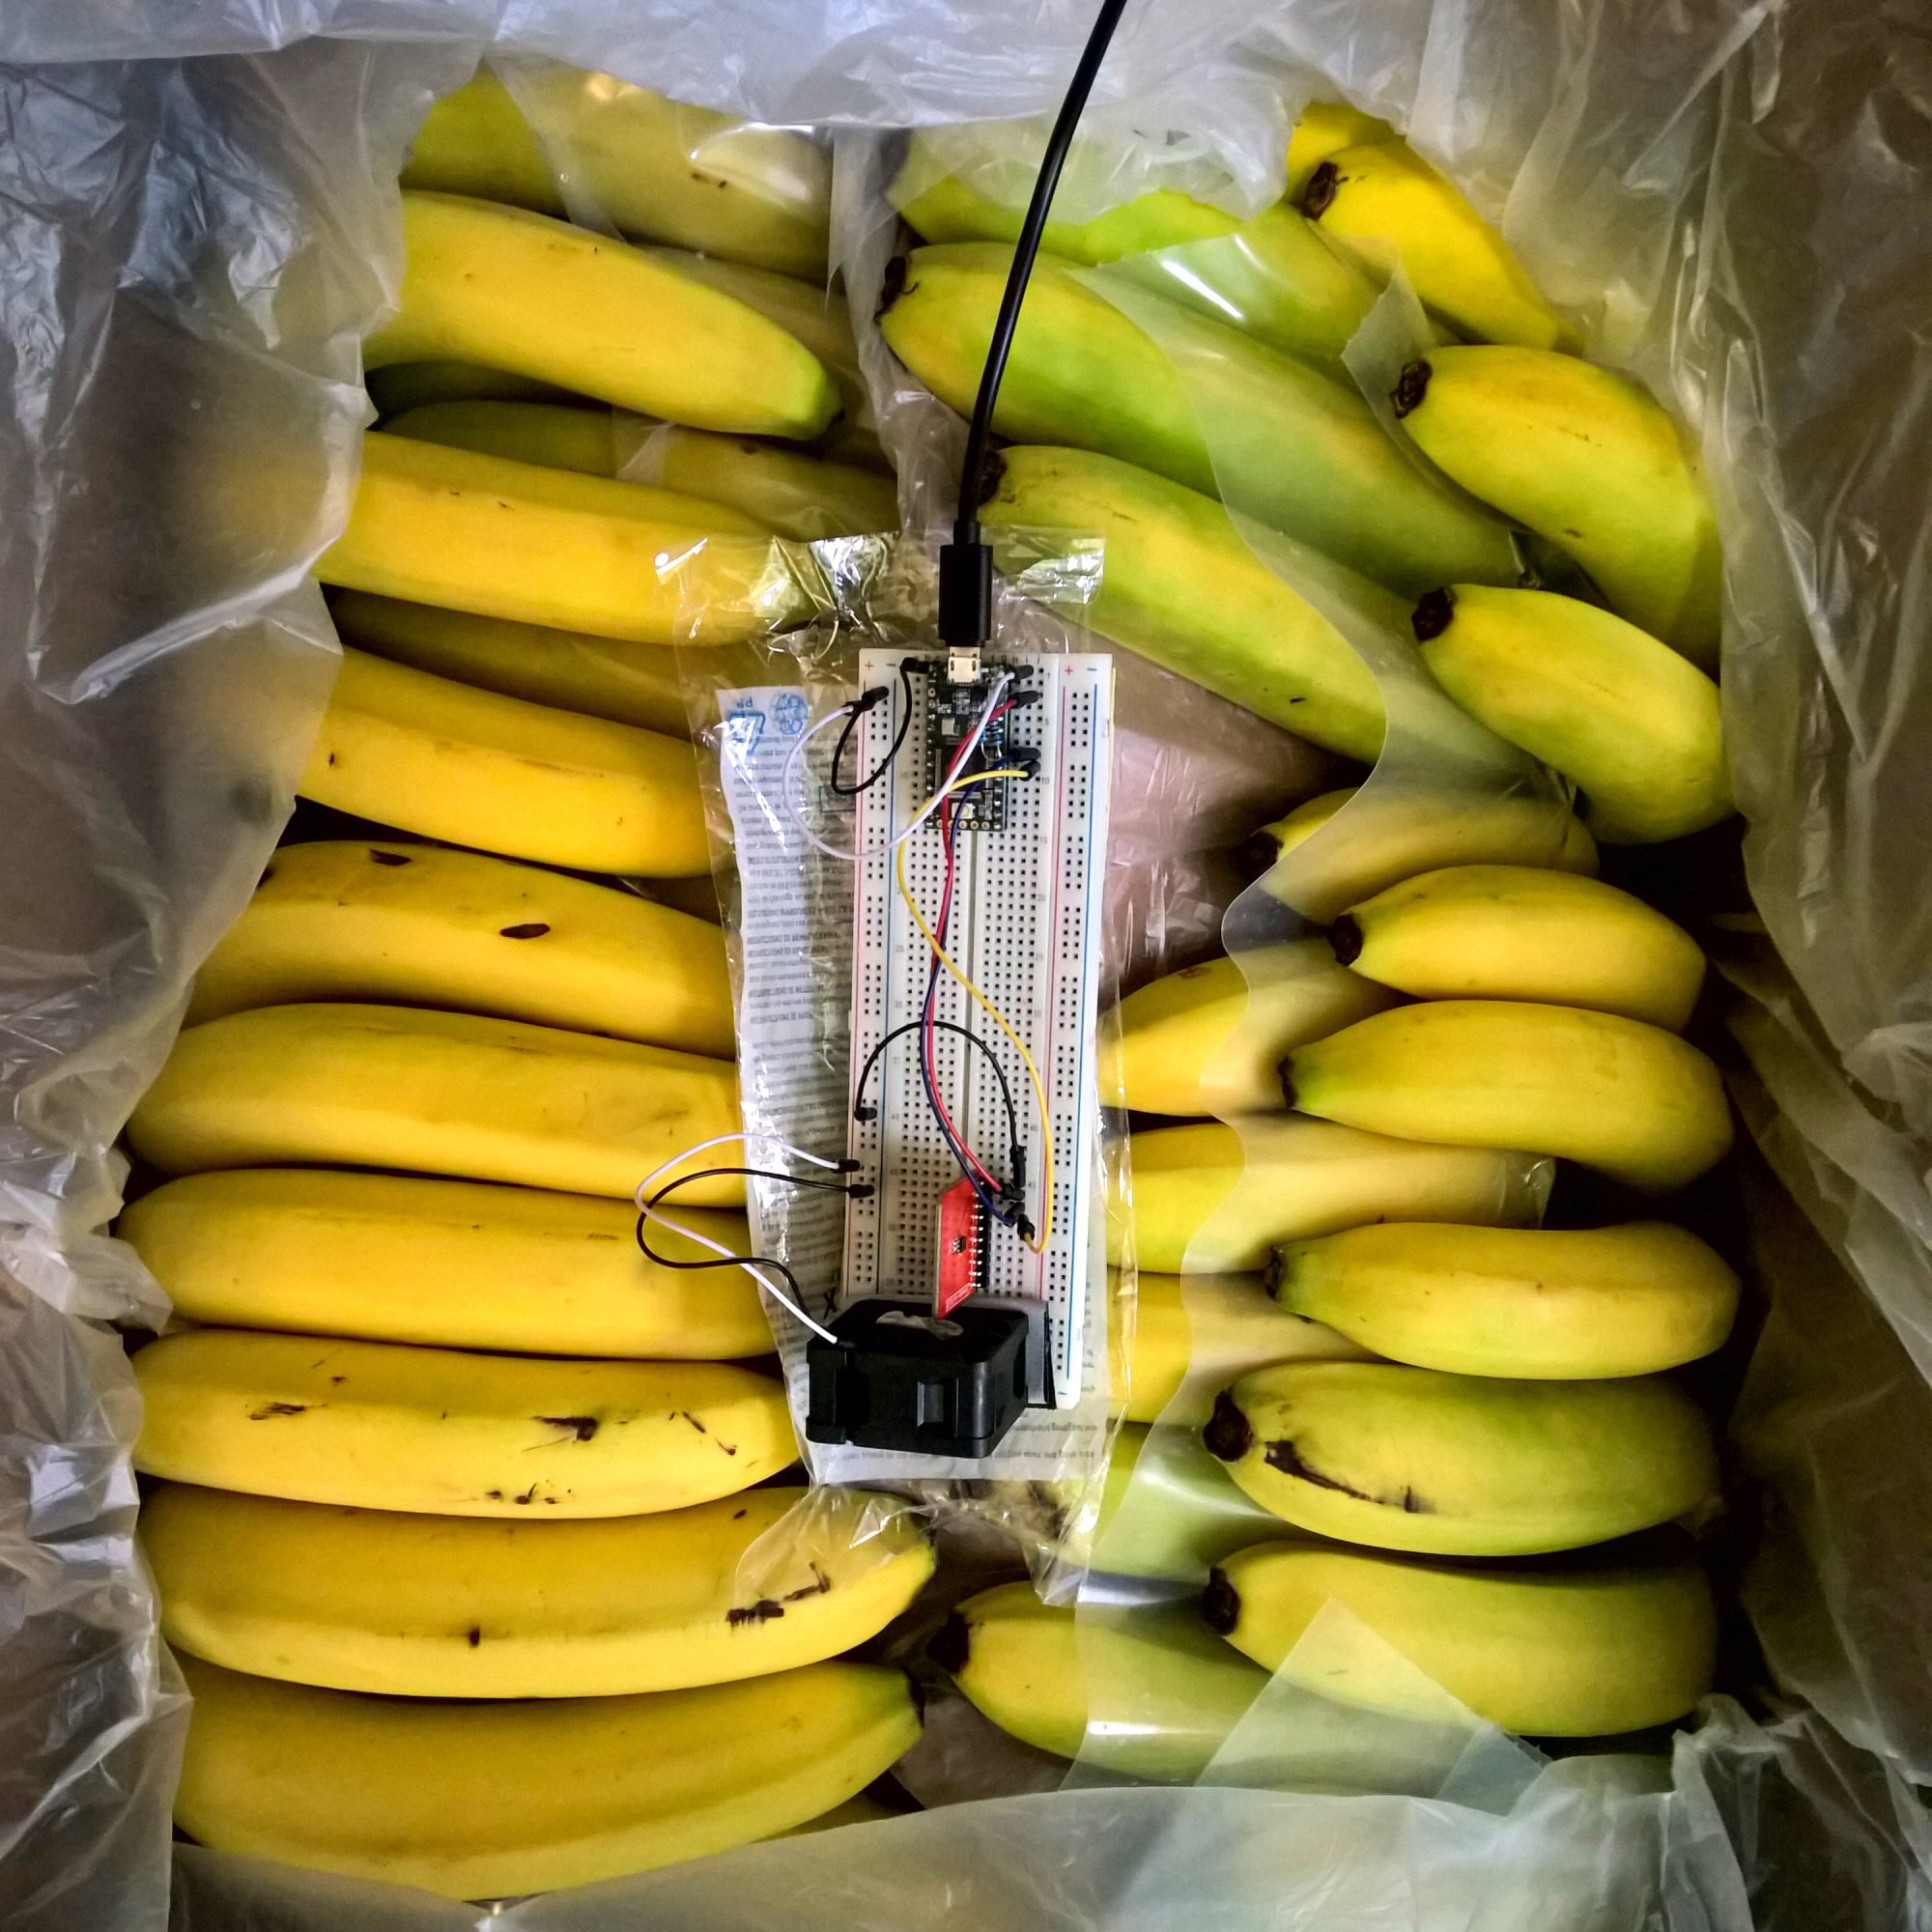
column 1025, row 926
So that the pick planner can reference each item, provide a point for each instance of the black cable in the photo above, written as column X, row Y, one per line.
column 973, row 1040
column 865, row 704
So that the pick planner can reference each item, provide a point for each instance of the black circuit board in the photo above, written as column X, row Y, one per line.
column 953, row 711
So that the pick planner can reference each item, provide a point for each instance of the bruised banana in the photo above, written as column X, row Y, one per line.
column 1587, row 460
column 494, row 1799
column 1210, row 1039
column 1169, row 1511
column 506, row 539
column 1636, row 726
column 434, row 1092
column 1273, row 275
column 574, row 670
column 435, row 757
column 788, row 490
column 654, row 167
column 1559, row 1653
column 1383, row 200
column 1537, row 1303
column 1402, row 1458
column 1393, row 832
column 1160, row 1693
column 448, row 1432
column 457, row 1263
column 429, row 926
column 1523, row 932
column 1325, row 128
column 1630, row 1099
column 1215, row 1199
column 540, row 297
column 1289, row 446
column 417, row 1605
column 1256, row 641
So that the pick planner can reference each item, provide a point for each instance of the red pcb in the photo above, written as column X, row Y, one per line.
column 962, row 1246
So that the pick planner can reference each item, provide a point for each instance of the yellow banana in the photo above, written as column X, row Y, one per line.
column 390, row 1258
column 1325, row 128
column 1256, row 641
column 1523, row 932
column 434, row 1092
column 1539, row 1303
column 1462, row 1465
column 574, row 670
column 488, row 1799
column 409, row 386
column 1216, row 1199
column 587, row 437
column 1636, row 728
column 450, row 1433
column 1588, row 461
column 654, row 167
column 1161, row 1693
column 1386, row 203
column 459, row 1606
column 1289, row 446
column 426, row 925
column 1171, row 1513
column 1559, row 1653
column 1393, row 832
column 505, row 539
column 1209, row 1039
column 1632, row 1100
column 476, row 768
column 518, row 291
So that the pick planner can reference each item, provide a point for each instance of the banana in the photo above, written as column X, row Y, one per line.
column 409, row 385
column 442, row 1430
column 504, row 539
column 1396, row 831
column 1325, row 128
column 1220, row 1325
column 460, row 1263
column 1588, row 461
column 461, row 1606
column 1256, row 641
column 476, row 768
column 434, row 1092
column 1630, row 1099
column 1160, row 1693
column 1523, row 932
column 1209, row 1039
column 1559, row 1653
column 863, row 1809
column 1462, row 1465
column 789, row 490
column 540, row 297
column 1636, row 726
column 425, row 926
column 1171, row 1513
column 1537, row 1303
column 488, row 1800
column 654, row 167
column 603, row 677
column 1215, row 1199
column 1387, row 204
column 1272, row 275
column 1290, row 446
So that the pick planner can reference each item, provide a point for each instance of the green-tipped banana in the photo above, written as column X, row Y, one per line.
column 1209, row 1039
column 1274, row 276
column 1324, row 129
column 1255, row 641
column 1539, row 1303
column 1523, row 932
column 518, row 291
column 1562, row 1653
column 1170, row 1511
column 1395, row 831
column 1588, row 461
column 1149, row 1693
column 1632, row 1100
column 1462, row 1465
column 1384, row 201
column 1216, row 1199
column 1290, row 446
column 657, row 168
column 1634, row 724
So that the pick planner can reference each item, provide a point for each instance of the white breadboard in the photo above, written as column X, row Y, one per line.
column 1025, row 926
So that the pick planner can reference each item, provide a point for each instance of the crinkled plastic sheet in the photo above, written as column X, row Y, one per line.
column 1735, row 197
